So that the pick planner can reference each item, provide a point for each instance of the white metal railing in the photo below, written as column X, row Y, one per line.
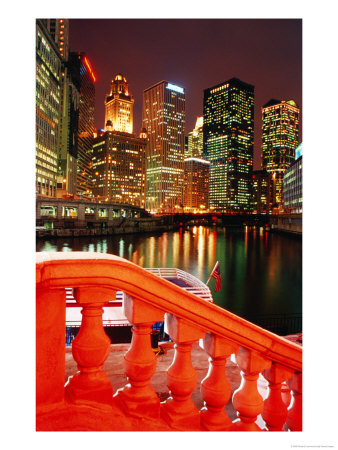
column 194, row 285
column 114, row 316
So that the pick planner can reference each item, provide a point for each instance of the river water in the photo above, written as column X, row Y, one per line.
column 261, row 272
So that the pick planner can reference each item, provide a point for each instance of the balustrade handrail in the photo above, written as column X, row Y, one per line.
column 56, row 270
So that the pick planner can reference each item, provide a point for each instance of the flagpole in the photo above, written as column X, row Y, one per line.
column 211, row 273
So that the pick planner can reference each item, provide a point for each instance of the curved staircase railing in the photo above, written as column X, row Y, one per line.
column 188, row 318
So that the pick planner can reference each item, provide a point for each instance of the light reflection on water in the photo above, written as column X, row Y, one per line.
column 261, row 272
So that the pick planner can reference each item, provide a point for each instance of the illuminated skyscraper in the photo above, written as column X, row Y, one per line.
column 228, row 134
column 279, row 139
column 48, row 91
column 164, row 120
column 196, row 185
column 119, row 105
column 195, row 140
column 119, row 167
column 83, row 76
column 262, row 192
column 59, row 30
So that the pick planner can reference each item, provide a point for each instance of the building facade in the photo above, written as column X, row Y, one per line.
column 119, row 167
column 48, row 93
column 195, row 140
column 280, row 135
column 293, row 192
column 119, row 105
column 68, row 133
column 69, row 111
column 196, row 185
column 83, row 76
column 59, row 31
column 163, row 117
column 228, row 137
column 262, row 192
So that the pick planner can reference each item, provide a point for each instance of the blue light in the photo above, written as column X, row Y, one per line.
column 175, row 88
column 299, row 151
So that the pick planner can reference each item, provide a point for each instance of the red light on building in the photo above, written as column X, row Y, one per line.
column 89, row 68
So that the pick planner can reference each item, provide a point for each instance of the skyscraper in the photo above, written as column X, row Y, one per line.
column 228, row 134
column 84, row 77
column 59, row 30
column 195, row 140
column 279, row 139
column 164, row 119
column 119, row 105
column 119, row 167
column 196, row 185
column 48, row 89
column 69, row 111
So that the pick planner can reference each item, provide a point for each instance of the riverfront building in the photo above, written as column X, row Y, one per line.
column 83, row 76
column 262, row 192
column 119, row 105
column 119, row 167
column 69, row 111
column 68, row 132
column 164, row 119
column 195, row 140
column 59, row 31
column 293, row 195
column 48, row 92
column 196, row 185
column 279, row 139
column 228, row 134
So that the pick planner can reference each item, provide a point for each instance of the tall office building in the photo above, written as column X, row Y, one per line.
column 164, row 119
column 119, row 167
column 279, row 139
column 228, row 136
column 262, row 192
column 48, row 91
column 119, row 105
column 59, row 30
column 196, row 185
column 83, row 76
column 195, row 140
column 69, row 111
column 68, row 133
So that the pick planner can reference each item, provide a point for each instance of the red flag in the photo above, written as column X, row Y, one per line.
column 216, row 273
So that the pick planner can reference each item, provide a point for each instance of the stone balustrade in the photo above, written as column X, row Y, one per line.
column 188, row 318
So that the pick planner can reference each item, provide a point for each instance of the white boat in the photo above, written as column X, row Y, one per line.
column 113, row 312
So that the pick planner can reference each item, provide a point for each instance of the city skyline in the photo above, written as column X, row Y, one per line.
column 264, row 52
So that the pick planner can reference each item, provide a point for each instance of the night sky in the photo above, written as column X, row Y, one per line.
column 195, row 54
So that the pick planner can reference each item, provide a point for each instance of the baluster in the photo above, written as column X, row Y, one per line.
column 294, row 420
column 50, row 345
column 138, row 398
column 215, row 387
column 275, row 410
column 246, row 399
column 179, row 410
column 90, row 349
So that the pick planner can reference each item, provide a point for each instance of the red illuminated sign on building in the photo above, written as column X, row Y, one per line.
column 89, row 68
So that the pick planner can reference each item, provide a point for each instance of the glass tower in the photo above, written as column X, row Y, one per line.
column 83, row 76
column 228, row 137
column 48, row 96
column 164, row 120
column 279, row 140
column 195, row 140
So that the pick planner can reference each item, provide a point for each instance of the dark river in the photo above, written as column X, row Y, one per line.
column 261, row 272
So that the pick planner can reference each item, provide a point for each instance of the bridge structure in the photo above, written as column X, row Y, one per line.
column 88, row 400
